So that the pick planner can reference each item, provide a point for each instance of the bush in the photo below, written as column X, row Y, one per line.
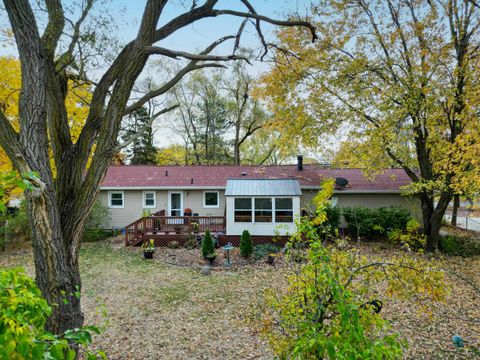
column 460, row 245
column 333, row 216
column 23, row 313
column 410, row 238
column 263, row 250
column 173, row 245
column 207, row 245
column 246, row 245
column 368, row 222
column 99, row 217
column 92, row 235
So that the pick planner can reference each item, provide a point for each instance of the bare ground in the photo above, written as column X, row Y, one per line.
column 156, row 310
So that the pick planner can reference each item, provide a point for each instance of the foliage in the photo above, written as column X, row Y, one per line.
column 18, row 226
column 146, row 213
column 173, row 245
column 323, row 312
column 92, row 235
column 172, row 155
column 394, row 80
column 191, row 242
column 333, row 214
column 410, row 238
column 99, row 216
column 246, row 244
column 141, row 151
column 148, row 245
column 23, row 313
column 363, row 221
column 460, row 245
column 262, row 250
column 207, row 245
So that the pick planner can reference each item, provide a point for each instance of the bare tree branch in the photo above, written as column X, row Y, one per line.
column 196, row 57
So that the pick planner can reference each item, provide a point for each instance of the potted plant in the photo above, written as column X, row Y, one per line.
column 195, row 227
column 211, row 257
column 146, row 213
column 148, row 248
column 187, row 212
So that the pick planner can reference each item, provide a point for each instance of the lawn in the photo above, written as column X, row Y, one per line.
column 156, row 310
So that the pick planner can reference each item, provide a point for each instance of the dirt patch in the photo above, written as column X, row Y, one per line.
column 192, row 258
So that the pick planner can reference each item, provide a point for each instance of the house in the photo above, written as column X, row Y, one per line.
column 228, row 199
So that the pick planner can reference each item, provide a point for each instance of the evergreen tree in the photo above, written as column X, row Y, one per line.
column 142, row 151
column 207, row 245
column 246, row 245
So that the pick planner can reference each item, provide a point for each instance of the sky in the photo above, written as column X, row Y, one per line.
column 127, row 15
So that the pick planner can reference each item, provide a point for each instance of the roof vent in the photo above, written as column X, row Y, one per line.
column 341, row 182
column 191, row 181
column 244, row 173
column 166, row 172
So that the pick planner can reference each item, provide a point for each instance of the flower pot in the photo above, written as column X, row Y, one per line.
column 148, row 254
column 211, row 259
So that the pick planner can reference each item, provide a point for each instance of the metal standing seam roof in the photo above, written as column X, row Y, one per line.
column 263, row 187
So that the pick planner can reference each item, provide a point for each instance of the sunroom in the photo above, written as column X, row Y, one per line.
column 265, row 207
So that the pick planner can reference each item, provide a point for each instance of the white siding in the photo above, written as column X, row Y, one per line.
column 271, row 229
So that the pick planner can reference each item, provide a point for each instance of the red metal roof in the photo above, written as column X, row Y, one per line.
column 138, row 176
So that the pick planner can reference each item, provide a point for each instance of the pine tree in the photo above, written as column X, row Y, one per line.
column 246, row 245
column 207, row 245
column 142, row 151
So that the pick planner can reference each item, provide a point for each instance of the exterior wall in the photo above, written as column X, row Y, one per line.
column 193, row 199
column 369, row 200
column 271, row 229
column 133, row 205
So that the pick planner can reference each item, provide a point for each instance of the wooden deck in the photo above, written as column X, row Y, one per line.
column 159, row 225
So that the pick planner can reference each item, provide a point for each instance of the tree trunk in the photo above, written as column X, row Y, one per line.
column 56, row 264
column 456, row 205
column 432, row 218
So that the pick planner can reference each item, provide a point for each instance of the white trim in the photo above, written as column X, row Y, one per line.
column 110, row 206
column 145, row 206
column 211, row 206
column 186, row 188
column 170, row 202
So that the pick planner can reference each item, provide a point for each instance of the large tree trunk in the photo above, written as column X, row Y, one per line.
column 56, row 264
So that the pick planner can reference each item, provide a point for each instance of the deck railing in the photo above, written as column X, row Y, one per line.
column 153, row 225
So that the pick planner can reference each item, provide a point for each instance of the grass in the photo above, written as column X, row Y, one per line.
column 154, row 310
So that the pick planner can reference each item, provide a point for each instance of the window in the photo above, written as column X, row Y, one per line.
column 149, row 199
column 283, row 210
column 243, row 210
column 210, row 199
column 263, row 210
column 116, row 199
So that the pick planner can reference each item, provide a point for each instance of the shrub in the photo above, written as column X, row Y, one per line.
column 23, row 313
column 207, row 245
column 410, row 238
column 460, row 245
column 173, row 245
column 15, row 226
column 99, row 216
column 363, row 221
column 263, row 250
column 92, row 235
column 333, row 216
column 191, row 242
column 246, row 245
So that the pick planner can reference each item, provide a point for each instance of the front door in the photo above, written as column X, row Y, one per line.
column 175, row 203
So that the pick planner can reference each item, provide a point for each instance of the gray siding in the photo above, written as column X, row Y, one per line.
column 193, row 199
column 133, row 205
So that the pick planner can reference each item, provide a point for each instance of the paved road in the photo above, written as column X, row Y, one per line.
column 470, row 223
